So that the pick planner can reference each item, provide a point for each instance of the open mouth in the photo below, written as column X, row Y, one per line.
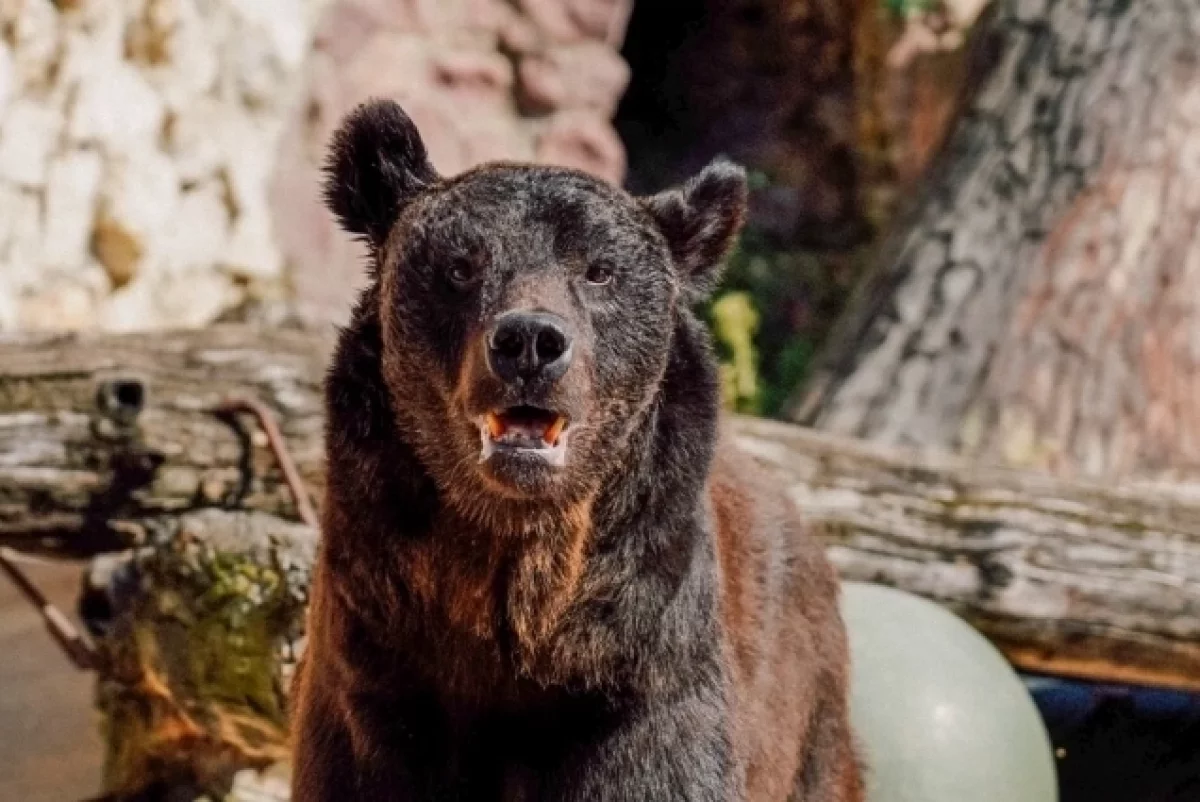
column 525, row 429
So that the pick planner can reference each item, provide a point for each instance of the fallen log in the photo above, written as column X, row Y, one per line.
column 117, row 442
column 102, row 437
column 105, row 440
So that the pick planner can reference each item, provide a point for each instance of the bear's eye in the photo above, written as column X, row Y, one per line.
column 599, row 274
column 461, row 272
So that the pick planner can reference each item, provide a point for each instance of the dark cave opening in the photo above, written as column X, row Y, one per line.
column 768, row 83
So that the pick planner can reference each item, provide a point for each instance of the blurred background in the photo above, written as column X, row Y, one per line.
column 974, row 228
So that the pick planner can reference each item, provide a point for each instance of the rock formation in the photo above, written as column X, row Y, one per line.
column 159, row 158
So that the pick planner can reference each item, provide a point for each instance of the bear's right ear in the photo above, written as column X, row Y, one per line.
column 377, row 163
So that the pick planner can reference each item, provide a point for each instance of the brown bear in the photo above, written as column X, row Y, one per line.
column 544, row 575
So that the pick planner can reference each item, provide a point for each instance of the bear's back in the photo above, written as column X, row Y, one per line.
column 779, row 613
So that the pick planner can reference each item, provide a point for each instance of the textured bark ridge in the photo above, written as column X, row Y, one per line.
column 1036, row 307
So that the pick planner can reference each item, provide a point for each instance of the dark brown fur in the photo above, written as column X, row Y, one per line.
column 649, row 622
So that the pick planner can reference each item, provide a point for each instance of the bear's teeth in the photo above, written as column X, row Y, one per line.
column 496, row 427
column 550, row 436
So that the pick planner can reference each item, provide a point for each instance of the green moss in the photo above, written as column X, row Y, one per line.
column 201, row 652
column 235, row 613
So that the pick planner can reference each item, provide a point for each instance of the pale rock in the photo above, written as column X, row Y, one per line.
column 472, row 78
column 389, row 65
column 248, row 148
column 553, row 18
column 117, row 108
column 199, row 229
column 10, row 310
column 94, row 277
column 518, row 35
column 446, row 131
column 193, row 298
column 284, row 23
column 21, row 235
column 583, row 141
column 342, row 33
column 412, row 16
column 8, row 77
column 965, row 12
column 70, row 202
column 13, row 207
column 587, row 75
column 26, row 137
column 33, row 33
column 129, row 308
column 250, row 159
column 188, row 139
column 58, row 305
column 249, row 64
column 171, row 112
column 497, row 138
column 88, row 48
column 157, row 300
column 252, row 251
column 180, row 51
column 249, row 155
column 138, row 201
column 604, row 20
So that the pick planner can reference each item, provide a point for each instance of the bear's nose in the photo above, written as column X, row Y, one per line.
column 528, row 346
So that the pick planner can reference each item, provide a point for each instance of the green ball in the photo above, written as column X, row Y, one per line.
column 938, row 713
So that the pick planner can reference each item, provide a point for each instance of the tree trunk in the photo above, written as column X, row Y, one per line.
column 1037, row 307
column 111, row 441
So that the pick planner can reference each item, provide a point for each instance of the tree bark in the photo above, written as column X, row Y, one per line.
column 1036, row 306
column 1068, row 577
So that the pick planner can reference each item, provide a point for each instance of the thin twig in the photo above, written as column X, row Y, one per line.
column 75, row 644
column 78, row 648
column 266, row 419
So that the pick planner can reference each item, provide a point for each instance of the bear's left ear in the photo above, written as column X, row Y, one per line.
column 700, row 221
column 377, row 163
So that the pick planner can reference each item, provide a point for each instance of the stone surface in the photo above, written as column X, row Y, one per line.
column 578, row 139
column 26, row 136
column 137, row 205
column 115, row 108
column 72, row 184
column 585, row 76
column 142, row 141
column 6, row 76
column 483, row 80
column 137, row 142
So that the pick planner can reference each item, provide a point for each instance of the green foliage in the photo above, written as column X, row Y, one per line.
column 904, row 8
column 770, row 315
column 735, row 322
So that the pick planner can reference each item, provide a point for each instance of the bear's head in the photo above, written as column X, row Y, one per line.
column 526, row 313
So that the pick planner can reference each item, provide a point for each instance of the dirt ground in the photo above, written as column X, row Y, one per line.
column 49, row 744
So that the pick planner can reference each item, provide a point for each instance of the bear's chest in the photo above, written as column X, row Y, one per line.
column 493, row 601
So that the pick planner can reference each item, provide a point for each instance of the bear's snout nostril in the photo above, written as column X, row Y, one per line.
column 529, row 346
column 507, row 343
column 550, row 344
